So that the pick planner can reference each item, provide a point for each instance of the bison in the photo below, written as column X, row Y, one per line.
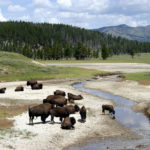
column 59, row 92
column 56, row 100
column 83, row 114
column 31, row 82
column 72, row 109
column 42, row 110
column 2, row 90
column 74, row 97
column 68, row 123
column 110, row 108
column 37, row 86
column 19, row 88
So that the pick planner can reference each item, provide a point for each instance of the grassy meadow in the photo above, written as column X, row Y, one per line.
column 140, row 58
column 18, row 67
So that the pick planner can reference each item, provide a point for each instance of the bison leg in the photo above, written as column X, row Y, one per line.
column 43, row 119
column 52, row 119
column 60, row 119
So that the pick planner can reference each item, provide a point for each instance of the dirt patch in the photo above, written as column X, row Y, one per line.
column 5, row 123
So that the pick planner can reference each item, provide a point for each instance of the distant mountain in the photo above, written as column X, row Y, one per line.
column 141, row 33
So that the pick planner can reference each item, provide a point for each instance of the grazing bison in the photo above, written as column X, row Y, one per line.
column 2, row 90
column 68, row 123
column 56, row 100
column 74, row 97
column 19, row 88
column 72, row 109
column 59, row 92
column 42, row 110
column 83, row 114
column 61, row 112
column 37, row 86
column 110, row 108
column 31, row 82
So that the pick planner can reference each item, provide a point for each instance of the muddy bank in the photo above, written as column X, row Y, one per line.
column 46, row 136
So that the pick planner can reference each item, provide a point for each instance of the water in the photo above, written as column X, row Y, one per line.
column 137, row 122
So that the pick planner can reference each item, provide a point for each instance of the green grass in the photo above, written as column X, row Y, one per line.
column 142, row 58
column 143, row 78
column 17, row 67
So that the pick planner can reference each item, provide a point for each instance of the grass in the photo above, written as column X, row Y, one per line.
column 17, row 67
column 142, row 58
column 142, row 78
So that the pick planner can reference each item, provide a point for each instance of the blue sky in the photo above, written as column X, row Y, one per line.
column 83, row 13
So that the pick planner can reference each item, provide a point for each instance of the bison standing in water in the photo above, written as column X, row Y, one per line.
column 37, row 86
column 83, row 114
column 19, row 88
column 68, row 123
column 2, row 90
column 110, row 108
column 42, row 110
column 31, row 82
column 59, row 92
column 74, row 97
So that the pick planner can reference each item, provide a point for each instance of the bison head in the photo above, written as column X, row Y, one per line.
column 44, row 101
column 77, row 108
column 73, row 120
column 81, row 97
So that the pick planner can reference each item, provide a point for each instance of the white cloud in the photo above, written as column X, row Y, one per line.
column 41, row 3
column 65, row 3
column 2, row 18
column 16, row 8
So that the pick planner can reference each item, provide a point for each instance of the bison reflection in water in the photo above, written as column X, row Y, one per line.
column 2, row 90
column 42, row 110
column 110, row 108
column 68, row 123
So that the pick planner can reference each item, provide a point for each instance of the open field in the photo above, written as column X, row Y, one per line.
column 17, row 67
column 141, row 58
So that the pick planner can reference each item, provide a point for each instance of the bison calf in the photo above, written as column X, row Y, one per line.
column 42, row 110
column 2, row 90
column 37, row 86
column 68, row 123
column 59, row 92
column 31, row 82
column 110, row 108
column 19, row 88
column 74, row 97
column 83, row 114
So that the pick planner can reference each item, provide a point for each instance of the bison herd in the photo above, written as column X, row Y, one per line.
column 56, row 106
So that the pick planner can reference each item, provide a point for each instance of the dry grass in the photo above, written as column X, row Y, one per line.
column 144, row 82
column 11, row 109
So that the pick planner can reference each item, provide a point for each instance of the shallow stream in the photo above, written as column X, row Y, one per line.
column 137, row 122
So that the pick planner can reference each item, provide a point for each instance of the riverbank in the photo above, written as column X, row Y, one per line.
column 46, row 136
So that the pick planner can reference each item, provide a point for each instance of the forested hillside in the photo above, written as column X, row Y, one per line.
column 57, row 41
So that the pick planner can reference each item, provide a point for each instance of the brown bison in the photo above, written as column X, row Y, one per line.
column 19, row 88
column 74, row 97
column 61, row 112
column 56, row 100
column 31, row 82
column 72, row 109
column 59, row 92
column 2, row 90
column 37, row 86
column 110, row 108
column 83, row 114
column 42, row 110
column 68, row 123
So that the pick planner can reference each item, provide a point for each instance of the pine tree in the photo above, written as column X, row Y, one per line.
column 104, row 52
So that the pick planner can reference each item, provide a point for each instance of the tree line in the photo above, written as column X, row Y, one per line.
column 58, row 41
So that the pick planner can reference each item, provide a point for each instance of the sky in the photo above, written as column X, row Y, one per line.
column 88, row 14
